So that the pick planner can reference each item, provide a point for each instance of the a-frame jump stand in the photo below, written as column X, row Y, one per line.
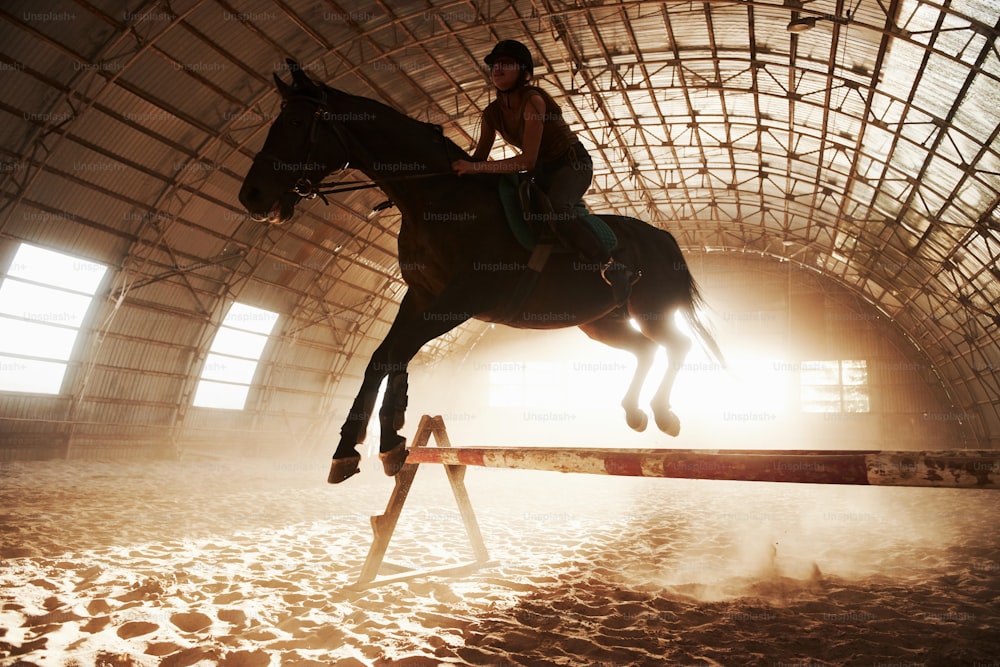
column 960, row 468
column 384, row 524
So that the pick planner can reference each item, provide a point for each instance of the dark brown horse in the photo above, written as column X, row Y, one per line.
column 459, row 257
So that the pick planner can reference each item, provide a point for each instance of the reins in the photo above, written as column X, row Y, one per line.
column 306, row 189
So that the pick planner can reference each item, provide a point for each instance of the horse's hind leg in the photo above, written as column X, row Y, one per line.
column 615, row 331
column 664, row 330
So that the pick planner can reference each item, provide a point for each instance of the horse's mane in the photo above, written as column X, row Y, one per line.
column 433, row 130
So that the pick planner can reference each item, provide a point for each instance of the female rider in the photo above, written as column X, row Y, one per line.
column 528, row 118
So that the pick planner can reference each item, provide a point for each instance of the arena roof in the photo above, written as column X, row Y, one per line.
column 858, row 140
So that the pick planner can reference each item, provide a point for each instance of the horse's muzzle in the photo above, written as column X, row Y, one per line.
column 250, row 197
column 274, row 212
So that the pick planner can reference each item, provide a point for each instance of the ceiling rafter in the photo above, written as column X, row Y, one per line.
column 706, row 119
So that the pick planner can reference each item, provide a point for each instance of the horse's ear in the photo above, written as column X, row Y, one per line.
column 283, row 87
column 299, row 77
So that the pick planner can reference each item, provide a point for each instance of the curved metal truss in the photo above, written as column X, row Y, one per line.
column 856, row 138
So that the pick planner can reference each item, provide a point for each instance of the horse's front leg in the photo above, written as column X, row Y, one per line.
column 412, row 327
column 391, row 417
column 346, row 458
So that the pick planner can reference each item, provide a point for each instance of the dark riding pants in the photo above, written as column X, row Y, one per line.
column 565, row 181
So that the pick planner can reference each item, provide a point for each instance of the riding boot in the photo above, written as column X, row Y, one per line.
column 579, row 235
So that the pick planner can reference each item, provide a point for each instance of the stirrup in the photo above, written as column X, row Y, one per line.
column 632, row 276
column 604, row 270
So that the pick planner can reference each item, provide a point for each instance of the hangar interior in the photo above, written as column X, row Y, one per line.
column 831, row 169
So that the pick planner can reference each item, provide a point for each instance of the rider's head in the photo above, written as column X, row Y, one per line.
column 507, row 57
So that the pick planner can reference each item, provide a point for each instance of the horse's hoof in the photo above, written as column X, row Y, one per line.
column 341, row 469
column 637, row 420
column 668, row 422
column 393, row 460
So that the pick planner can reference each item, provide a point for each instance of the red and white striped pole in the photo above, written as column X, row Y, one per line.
column 966, row 469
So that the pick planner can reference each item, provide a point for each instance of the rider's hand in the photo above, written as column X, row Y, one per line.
column 463, row 167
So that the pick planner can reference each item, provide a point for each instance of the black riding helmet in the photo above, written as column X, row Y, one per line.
column 511, row 48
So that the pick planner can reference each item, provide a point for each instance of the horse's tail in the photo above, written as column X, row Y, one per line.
column 690, row 311
column 693, row 302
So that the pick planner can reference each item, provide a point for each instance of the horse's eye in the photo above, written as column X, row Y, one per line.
column 296, row 122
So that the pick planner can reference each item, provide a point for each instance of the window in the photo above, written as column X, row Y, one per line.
column 44, row 299
column 834, row 386
column 232, row 360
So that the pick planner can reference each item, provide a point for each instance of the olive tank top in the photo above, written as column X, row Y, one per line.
column 556, row 135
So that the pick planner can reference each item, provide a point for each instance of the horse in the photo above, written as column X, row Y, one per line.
column 459, row 257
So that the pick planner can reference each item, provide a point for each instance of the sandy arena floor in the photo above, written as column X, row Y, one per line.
column 249, row 564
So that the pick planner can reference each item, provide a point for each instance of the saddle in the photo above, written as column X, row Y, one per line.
column 526, row 208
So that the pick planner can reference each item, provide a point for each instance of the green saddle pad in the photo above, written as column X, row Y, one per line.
column 525, row 235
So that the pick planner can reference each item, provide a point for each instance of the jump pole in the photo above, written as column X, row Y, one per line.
column 966, row 469
column 959, row 468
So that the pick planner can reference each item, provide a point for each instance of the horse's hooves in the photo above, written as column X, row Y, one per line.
column 668, row 422
column 393, row 460
column 637, row 420
column 341, row 469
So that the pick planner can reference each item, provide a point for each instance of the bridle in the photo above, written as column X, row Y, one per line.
column 304, row 186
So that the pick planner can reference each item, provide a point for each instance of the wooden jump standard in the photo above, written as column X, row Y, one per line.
column 965, row 469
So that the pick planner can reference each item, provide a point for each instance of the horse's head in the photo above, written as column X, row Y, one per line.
column 300, row 150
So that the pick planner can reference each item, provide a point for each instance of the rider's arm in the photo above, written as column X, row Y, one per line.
column 487, row 135
column 534, row 114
